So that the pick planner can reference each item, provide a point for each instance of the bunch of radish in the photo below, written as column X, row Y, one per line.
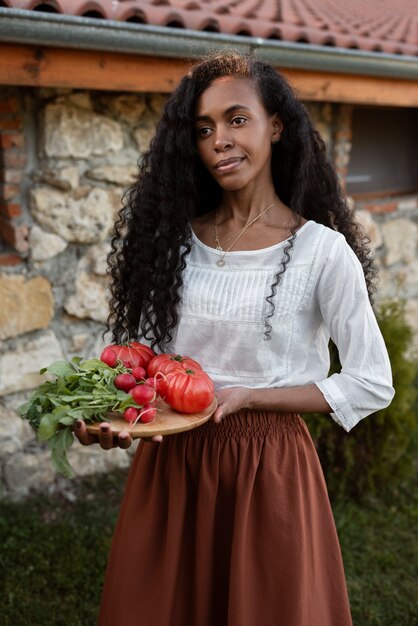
column 179, row 380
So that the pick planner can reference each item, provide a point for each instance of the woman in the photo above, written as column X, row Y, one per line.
column 236, row 246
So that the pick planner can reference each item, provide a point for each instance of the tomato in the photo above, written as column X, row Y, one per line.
column 132, row 355
column 187, row 390
column 145, row 351
column 157, row 363
column 109, row 356
column 165, row 363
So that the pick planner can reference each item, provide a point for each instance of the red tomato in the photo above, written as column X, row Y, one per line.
column 165, row 363
column 188, row 391
column 109, row 356
column 145, row 351
column 131, row 355
column 156, row 363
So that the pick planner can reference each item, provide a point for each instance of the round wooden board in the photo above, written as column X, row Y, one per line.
column 166, row 422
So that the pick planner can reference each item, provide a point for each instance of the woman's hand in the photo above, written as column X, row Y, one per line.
column 230, row 401
column 105, row 438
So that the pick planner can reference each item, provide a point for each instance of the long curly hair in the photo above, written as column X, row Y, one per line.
column 152, row 234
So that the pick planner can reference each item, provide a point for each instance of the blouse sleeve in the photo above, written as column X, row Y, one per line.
column 364, row 384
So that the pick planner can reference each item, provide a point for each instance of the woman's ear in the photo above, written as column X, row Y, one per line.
column 277, row 128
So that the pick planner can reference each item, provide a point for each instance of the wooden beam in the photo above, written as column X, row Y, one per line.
column 353, row 88
column 87, row 69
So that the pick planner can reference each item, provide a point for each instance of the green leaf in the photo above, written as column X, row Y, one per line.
column 47, row 427
column 23, row 409
column 93, row 364
column 75, row 414
column 59, row 445
column 60, row 368
column 67, row 420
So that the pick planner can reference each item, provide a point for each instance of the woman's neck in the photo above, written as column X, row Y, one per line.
column 240, row 208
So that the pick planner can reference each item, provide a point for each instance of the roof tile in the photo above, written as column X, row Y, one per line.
column 374, row 25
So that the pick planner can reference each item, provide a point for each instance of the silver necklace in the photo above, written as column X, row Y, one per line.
column 222, row 253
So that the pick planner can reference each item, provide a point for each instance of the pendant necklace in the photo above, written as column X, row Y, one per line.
column 220, row 262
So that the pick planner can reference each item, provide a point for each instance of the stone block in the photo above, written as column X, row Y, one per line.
column 145, row 132
column 44, row 245
column 409, row 277
column 64, row 179
column 84, row 220
column 400, row 237
column 371, row 228
column 98, row 257
column 81, row 99
column 70, row 131
column 157, row 102
column 25, row 304
column 15, row 433
column 122, row 175
column 90, row 300
column 19, row 368
column 127, row 107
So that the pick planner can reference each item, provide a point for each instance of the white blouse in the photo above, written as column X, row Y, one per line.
column 322, row 294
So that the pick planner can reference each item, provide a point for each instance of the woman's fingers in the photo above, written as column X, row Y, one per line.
column 218, row 415
column 106, row 439
column 155, row 439
column 124, row 439
column 80, row 431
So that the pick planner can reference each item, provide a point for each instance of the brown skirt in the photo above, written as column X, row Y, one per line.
column 227, row 525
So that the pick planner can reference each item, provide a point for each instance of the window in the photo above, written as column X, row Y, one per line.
column 384, row 154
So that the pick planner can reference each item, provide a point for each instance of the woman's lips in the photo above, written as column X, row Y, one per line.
column 228, row 164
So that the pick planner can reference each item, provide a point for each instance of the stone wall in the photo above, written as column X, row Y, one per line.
column 67, row 157
column 73, row 154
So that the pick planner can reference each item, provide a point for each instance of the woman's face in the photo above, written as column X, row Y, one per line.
column 234, row 133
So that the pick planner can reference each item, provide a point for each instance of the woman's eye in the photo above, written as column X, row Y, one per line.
column 237, row 121
column 204, row 131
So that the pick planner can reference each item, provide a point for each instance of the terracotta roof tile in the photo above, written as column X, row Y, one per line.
column 373, row 25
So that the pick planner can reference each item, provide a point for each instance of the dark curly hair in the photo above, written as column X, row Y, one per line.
column 152, row 234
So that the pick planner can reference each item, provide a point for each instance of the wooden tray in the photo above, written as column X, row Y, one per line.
column 166, row 422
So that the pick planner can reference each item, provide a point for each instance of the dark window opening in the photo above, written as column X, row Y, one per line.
column 383, row 158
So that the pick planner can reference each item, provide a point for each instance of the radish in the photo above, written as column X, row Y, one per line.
column 125, row 382
column 142, row 394
column 130, row 414
column 139, row 373
column 148, row 413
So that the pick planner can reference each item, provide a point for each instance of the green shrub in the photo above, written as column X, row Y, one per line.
column 377, row 453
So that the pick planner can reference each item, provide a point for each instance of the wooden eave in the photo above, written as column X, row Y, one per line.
column 45, row 66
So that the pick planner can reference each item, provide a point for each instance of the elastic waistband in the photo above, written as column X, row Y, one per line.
column 250, row 424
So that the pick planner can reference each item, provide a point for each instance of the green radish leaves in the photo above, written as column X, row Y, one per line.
column 80, row 390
